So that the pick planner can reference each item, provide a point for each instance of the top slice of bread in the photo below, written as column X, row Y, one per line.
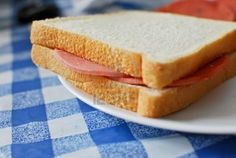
column 158, row 47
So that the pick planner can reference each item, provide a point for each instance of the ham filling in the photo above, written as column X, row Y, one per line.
column 87, row 67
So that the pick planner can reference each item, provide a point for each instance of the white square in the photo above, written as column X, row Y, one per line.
column 6, row 58
column 168, row 147
column 6, row 103
column 5, row 37
column 57, row 93
column 5, row 136
column 5, row 10
column 6, row 77
column 45, row 73
column 91, row 152
column 67, row 126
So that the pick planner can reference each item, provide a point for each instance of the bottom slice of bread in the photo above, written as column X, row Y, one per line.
column 143, row 100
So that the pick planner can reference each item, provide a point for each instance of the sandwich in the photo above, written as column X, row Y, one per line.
column 150, row 63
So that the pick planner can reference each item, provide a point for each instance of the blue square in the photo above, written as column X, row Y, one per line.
column 127, row 5
column 225, row 148
column 71, row 143
column 98, row 120
column 50, row 81
column 5, row 89
column 17, row 64
column 22, row 116
column 33, row 150
column 115, row 134
column 21, row 31
column 28, row 73
column 21, row 45
column 124, row 149
column 85, row 107
column 22, row 56
column 200, row 141
column 142, row 132
column 5, row 119
column 27, row 99
column 30, row 133
column 23, row 86
column 62, row 108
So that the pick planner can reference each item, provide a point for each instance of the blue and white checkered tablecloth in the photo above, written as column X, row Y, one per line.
column 40, row 118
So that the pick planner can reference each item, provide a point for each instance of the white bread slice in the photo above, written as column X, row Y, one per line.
column 159, row 47
column 145, row 101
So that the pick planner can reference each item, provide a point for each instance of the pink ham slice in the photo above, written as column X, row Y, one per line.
column 84, row 66
column 87, row 67
column 202, row 74
column 129, row 80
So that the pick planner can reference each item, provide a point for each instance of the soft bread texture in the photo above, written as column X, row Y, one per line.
column 145, row 101
column 158, row 47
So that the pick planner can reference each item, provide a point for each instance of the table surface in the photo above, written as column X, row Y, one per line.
column 40, row 118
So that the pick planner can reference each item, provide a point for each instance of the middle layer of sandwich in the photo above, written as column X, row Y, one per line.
column 87, row 67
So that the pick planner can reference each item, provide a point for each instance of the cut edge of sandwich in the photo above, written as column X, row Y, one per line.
column 145, row 101
column 154, row 74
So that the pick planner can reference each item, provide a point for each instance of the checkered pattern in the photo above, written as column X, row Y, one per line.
column 39, row 118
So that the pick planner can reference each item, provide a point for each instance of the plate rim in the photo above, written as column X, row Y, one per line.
column 153, row 122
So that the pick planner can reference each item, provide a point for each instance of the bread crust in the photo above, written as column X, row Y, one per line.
column 145, row 101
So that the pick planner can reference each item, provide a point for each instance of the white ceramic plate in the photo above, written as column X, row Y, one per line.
column 213, row 114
